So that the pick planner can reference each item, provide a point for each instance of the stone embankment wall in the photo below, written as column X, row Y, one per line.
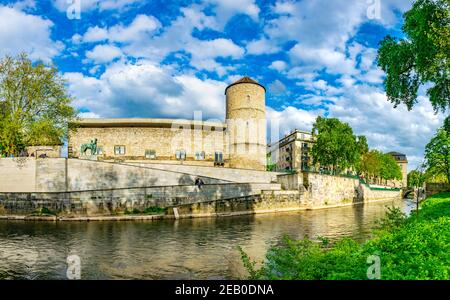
column 266, row 202
column 434, row 188
column 61, row 174
column 81, row 187
column 114, row 201
column 323, row 190
column 229, row 174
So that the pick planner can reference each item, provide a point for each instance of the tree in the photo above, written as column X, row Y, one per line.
column 35, row 105
column 370, row 164
column 389, row 169
column 361, row 144
column 422, row 57
column 335, row 144
column 377, row 165
column 437, row 152
column 363, row 148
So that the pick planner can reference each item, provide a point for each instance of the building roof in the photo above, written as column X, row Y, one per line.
column 395, row 153
column 245, row 79
column 398, row 155
column 144, row 122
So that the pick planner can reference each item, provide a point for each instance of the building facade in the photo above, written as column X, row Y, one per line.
column 239, row 142
column 402, row 162
column 292, row 152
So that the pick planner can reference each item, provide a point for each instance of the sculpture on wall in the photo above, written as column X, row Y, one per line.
column 91, row 146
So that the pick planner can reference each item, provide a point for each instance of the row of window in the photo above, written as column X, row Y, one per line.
column 151, row 154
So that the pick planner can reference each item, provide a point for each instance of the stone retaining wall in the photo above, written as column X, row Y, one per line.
column 61, row 174
column 229, row 174
column 434, row 188
column 113, row 201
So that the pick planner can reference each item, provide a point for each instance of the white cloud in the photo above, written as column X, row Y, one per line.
column 291, row 118
column 95, row 34
column 101, row 5
column 142, row 27
column 334, row 61
column 225, row 9
column 104, row 53
column 146, row 90
column 262, row 46
column 278, row 65
column 21, row 32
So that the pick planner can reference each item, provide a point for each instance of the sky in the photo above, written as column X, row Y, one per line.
column 167, row 59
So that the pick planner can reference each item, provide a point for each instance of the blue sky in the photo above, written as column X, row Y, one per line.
column 166, row 59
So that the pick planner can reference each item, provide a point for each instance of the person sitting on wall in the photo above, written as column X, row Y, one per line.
column 199, row 182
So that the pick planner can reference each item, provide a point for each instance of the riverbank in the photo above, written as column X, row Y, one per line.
column 155, row 217
column 414, row 247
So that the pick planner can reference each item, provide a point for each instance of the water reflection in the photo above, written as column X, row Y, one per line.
column 183, row 249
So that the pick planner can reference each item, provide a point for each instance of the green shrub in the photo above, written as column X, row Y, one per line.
column 152, row 210
column 409, row 248
column 44, row 211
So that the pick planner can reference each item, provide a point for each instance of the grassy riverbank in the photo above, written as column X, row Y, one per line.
column 414, row 247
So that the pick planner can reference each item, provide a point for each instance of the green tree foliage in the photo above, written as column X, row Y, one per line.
column 416, row 178
column 423, row 56
column 370, row 164
column 362, row 145
column 389, row 169
column 336, row 145
column 375, row 164
column 408, row 247
column 35, row 106
column 437, row 152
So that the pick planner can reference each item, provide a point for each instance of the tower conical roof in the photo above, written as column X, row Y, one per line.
column 245, row 79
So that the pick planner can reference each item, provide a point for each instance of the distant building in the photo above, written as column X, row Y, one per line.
column 292, row 152
column 239, row 142
column 402, row 162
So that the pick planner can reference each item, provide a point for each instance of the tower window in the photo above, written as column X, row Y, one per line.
column 248, row 97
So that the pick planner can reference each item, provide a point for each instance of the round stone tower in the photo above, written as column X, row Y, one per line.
column 246, row 124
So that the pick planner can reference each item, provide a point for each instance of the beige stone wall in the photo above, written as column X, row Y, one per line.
column 291, row 181
column 165, row 141
column 246, row 126
column 330, row 190
column 233, row 175
column 375, row 194
column 17, row 174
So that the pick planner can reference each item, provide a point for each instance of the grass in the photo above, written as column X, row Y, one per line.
column 152, row 210
column 414, row 247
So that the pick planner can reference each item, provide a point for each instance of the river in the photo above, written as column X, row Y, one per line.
column 203, row 248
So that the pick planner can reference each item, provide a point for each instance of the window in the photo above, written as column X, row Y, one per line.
column 180, row 154
column 119, row 150
column 200, row 155
column 99, row 150
column 150, row 154
column 218, row 157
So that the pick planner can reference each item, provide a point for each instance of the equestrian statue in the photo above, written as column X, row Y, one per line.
column 91, row 146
